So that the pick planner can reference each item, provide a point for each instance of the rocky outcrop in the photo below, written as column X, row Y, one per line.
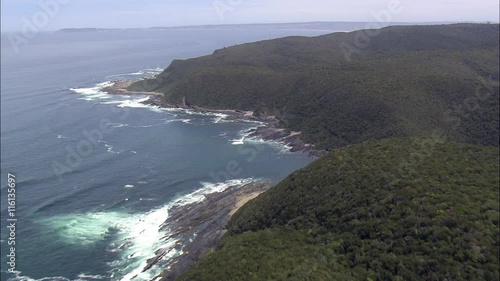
column 120, row 88
column 269, row 131
column 203, row 224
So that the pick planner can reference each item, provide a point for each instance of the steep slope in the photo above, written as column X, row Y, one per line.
column 404, row 81
column 401, row 209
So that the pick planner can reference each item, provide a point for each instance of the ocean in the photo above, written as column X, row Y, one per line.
column 96, row 174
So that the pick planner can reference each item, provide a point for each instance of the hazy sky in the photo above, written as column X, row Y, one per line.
column 147, row 13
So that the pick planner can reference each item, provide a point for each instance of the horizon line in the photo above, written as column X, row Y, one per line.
column 247, row 24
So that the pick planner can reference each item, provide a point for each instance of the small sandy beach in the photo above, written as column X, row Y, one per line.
column 242, row 200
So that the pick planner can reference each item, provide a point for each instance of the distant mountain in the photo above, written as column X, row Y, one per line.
column 346, row 88
column 323, row 26
column 326, row 26
column 89, row 29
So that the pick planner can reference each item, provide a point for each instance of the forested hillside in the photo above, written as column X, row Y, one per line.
column 366, row 212
column 410, row 190
column 405, row 81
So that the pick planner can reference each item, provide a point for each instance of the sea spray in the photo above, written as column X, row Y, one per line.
column 134, row 237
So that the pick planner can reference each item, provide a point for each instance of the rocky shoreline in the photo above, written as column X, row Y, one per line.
column 269, row 131
column 120, row 88
column 202, row 224
column 198, row 227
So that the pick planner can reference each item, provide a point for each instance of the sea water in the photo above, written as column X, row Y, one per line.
column 96, row 175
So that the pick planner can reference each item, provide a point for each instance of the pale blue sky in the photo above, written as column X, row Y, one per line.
column 148, row 13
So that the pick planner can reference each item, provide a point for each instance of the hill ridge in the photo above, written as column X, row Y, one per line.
column 408, row 81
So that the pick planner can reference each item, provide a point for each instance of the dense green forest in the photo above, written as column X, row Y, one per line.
column 410, row 190
column 370, row 212
column 402, row 81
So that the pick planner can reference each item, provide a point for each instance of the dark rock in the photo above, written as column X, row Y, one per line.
column 206, row 219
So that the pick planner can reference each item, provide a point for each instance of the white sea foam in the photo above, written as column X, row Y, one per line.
column 109, row 148
column 81, row 277
column 122, row 101
column 146, row 237
column 282, row 147
column 113, row 101
column 238, row 141
column 219, row 117
column 134, row 103
column 119, row 125
column 91, row 277
column 187, row 121
column 244, row 138
column 136, row 236
column 94, row 93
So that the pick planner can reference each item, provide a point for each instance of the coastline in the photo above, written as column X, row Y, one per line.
column 120, row 88
column 242, row 200
column 268, row 131
column 197, row 228
column 203, row 225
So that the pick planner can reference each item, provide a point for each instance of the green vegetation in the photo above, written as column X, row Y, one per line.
column 408, row 81
column 401, row 209
column 411, row 188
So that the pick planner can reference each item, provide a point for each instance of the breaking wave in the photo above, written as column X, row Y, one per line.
column 135, row 237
